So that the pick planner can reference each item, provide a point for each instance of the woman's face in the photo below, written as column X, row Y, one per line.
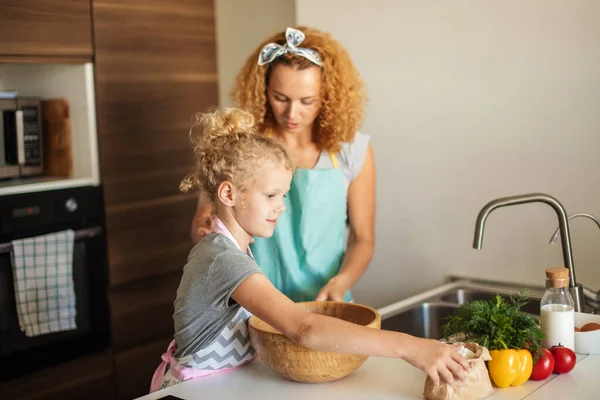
column 294, row 96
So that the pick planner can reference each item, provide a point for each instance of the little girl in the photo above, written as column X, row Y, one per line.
column 247, row 176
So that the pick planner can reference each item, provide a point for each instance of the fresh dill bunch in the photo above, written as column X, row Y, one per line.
column 498, row 324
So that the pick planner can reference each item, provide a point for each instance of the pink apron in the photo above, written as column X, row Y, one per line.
column 178, row 371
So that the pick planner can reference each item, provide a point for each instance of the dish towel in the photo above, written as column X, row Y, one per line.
column 43, row 279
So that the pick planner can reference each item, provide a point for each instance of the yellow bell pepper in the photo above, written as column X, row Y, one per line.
column 510, row 367
column 525, row 367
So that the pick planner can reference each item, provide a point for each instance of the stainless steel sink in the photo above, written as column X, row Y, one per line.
column 462, row 296
column 425, row 315
column 424, row 320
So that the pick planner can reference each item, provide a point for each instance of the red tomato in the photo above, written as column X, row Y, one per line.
column 544, row 367
column 564, row 359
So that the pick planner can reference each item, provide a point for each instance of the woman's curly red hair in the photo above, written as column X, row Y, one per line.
column 343, row 97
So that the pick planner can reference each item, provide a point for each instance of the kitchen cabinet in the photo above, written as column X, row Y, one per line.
column 90, row 378
column 134, row 368
column 149, row 67
column 40, row 29
column 155, row 66
column 133, row 324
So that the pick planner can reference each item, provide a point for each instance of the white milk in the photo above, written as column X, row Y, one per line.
column 558, row 323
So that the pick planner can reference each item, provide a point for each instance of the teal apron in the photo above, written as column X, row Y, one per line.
column 309, row 241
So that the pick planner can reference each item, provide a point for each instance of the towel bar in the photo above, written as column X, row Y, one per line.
column 84, row 233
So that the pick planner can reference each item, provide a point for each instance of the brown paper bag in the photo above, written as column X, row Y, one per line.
column 477, row 385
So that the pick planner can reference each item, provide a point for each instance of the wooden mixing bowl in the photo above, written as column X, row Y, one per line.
column 302, row 364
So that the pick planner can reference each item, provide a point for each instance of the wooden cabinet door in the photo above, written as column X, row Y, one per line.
column 90, row 378
column 46, row 28
column 155, row 67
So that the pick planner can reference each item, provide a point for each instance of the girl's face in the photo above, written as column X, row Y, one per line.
column 262, row 203
column 294, row 97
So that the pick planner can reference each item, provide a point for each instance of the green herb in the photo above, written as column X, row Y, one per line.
column 498, row 324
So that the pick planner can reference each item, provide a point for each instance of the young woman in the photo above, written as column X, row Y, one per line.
column 304, row 92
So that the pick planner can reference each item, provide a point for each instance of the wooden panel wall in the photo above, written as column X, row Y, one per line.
column 155, row 67
column 60, row 28
column 91, row 378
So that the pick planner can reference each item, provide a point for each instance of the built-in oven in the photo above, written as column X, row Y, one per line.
column 29, row 215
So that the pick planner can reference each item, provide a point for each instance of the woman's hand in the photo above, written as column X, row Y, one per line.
column 202, row 226
column 203, row 221
column 442, row 362
column 334, row 290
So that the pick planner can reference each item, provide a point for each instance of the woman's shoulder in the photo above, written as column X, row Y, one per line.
column 352, row 154
column 360, row 142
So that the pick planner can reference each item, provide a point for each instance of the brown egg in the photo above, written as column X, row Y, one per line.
column 590, row 326
column 577, row 329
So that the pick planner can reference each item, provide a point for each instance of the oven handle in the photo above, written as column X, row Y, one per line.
column 85, row 233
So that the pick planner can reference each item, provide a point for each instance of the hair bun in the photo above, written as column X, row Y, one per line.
column 226, row 122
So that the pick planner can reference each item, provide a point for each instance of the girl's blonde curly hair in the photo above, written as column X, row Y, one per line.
column 342, row 91
column 227, row 148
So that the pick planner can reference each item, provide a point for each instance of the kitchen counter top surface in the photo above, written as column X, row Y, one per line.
column 377, row 379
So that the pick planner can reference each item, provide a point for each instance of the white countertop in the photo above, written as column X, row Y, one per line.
column 581, row 383
column 377, row 379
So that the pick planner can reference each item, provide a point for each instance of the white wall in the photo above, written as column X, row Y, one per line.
column 469, row 101
column 241, row 26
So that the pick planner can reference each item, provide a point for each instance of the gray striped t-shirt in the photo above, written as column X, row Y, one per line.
column 204, row 307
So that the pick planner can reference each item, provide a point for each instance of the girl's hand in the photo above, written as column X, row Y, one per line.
column 439, row 360
column 334, row 290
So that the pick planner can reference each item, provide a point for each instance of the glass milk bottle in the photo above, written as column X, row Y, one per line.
column 558, row 310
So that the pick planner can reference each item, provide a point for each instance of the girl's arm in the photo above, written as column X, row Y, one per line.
column 361, row 241
column 261, row 298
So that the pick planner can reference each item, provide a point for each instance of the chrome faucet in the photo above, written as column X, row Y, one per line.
column 582, row 214
column 563, row 226
column 591, row 297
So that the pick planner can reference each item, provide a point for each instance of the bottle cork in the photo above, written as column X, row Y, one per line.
column 557, row 277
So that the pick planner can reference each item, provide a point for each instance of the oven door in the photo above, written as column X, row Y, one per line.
column 20, row 354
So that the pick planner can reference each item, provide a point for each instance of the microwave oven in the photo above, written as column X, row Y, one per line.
column 20, row 137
